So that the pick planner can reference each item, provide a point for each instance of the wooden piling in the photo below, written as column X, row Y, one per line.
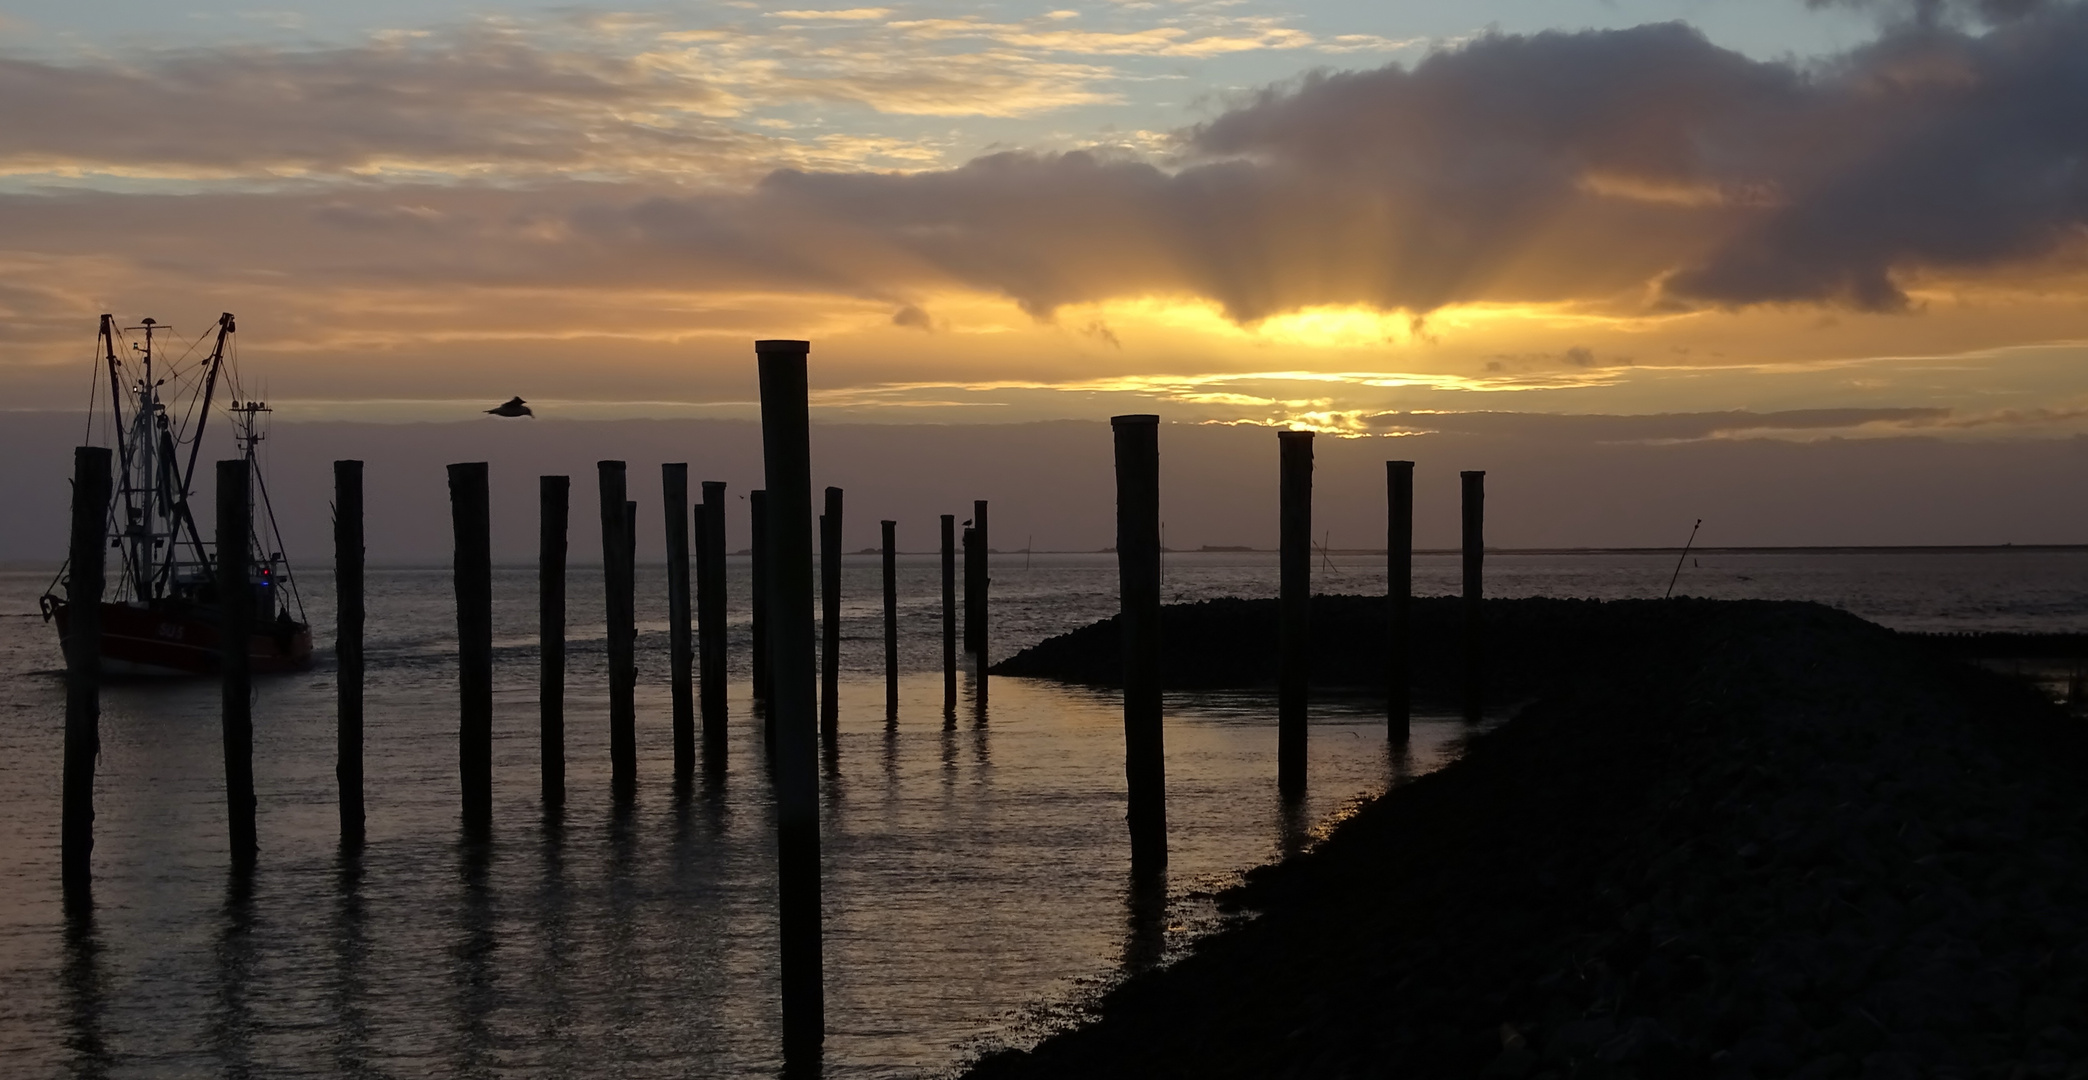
column 348, row 648
column 710, row 619
column 470, row 516
column 976, row 616
column 787, row 458
column 85, row 581
column 1399, row 593
column 674, row 493
column 1294, row 644
column 830, row 620
column 758, row 521
column 891, row 619
column 949, row 612
column 1138, row 577
column 553, row 507
column 617, row 606
column 1474, row 588
column 235, row 518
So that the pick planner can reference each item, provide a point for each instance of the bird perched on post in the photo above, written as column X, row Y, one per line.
column 513, row 406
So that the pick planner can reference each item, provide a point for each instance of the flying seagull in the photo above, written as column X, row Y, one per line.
column 513, row 406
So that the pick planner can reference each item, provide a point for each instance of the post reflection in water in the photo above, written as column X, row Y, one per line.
column 351, row 960
column 1145, row 906
column 474, row 961
column 81, row 989
column 232, row 1021
column 555, row 967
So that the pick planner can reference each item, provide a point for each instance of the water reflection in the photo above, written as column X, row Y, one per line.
column 1293, row 826
column 1145, row 907
column 232, row 1023
column 81, row 988
column 351, row 957
column 473, row 962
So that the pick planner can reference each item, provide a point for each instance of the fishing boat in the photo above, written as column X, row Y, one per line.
column 163, row 614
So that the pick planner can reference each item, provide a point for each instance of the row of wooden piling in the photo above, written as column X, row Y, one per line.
column 784, row 676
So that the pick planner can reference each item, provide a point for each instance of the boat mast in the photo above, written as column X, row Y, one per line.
column 179, row 503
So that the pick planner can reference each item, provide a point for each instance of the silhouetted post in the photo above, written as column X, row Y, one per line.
column 348, row 647
column 235, row 520
column 84, row 583
column 757, row 513
column 830, row 619
column 710, row 620
column 891, row 618
column 1399, row 593
column 985, row 586
column 949, row 611
column 787, row 459
column 674, row 490
column 1474, row 566
column 1294, row 628
column 1138, row 576
column 553, row 499
column 471, row 518
column 618, row 603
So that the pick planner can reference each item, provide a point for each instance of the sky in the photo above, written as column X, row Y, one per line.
column 1799, row 221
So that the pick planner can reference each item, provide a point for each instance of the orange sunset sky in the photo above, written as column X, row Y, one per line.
column 1812, row 219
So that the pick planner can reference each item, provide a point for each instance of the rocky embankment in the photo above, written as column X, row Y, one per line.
column 1740, row 840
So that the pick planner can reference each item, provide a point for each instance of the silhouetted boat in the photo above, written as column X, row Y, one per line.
column 162, row 615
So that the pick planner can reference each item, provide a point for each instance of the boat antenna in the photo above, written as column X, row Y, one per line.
column 1678, row 560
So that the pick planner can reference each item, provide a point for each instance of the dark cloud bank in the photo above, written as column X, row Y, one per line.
column 1644, row 168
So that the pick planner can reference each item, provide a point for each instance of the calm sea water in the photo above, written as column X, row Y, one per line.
column 976, row 884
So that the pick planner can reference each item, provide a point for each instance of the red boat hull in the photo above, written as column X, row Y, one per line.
column 165, row 641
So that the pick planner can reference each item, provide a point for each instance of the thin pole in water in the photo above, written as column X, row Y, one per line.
column 681, row 653
column 1678, row 560
column 1294, row 609
column 85, row 580
column 554, row 494
column 235, row 524
column 348, row 648
column 891, row 618
column 472, row 574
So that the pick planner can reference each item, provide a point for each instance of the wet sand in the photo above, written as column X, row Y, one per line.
column 1739, row 839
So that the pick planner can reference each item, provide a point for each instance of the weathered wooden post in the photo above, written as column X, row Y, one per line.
column 891, row 619
column 1294, row 626
column 1138, row 577
column 235, row 520
column 787, row 459
column 617, row 606
column 470, row 516
column 758, row 560
column 84, row 583
column 674, row 491
column 1399, row 594
column 710, row 621
column 984, row 547
column 949, row 612
column 830, row 620
column 348, row 648
column 1474, row 588
column 553, row 504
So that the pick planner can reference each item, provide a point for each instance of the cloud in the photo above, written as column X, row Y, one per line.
column 1659, row 427
column 1628, row 173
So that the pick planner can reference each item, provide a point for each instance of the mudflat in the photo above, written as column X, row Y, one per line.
column 1732, row 839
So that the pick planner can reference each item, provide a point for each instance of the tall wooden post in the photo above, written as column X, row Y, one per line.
column 348, row 647
column 787, row 458
column 984, row 547
column 618, row 602
column 553, row 506
column 85, row 580
column 830, row 620
column 949, row 612
column 1474, row 588
column 674, row 491
column 470, row 515
column 710, row 621
column 235, row 527
column 891, row 618
column 1399, row 593
column 758, row 522
column 1138, row 577
column 1294, row 628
